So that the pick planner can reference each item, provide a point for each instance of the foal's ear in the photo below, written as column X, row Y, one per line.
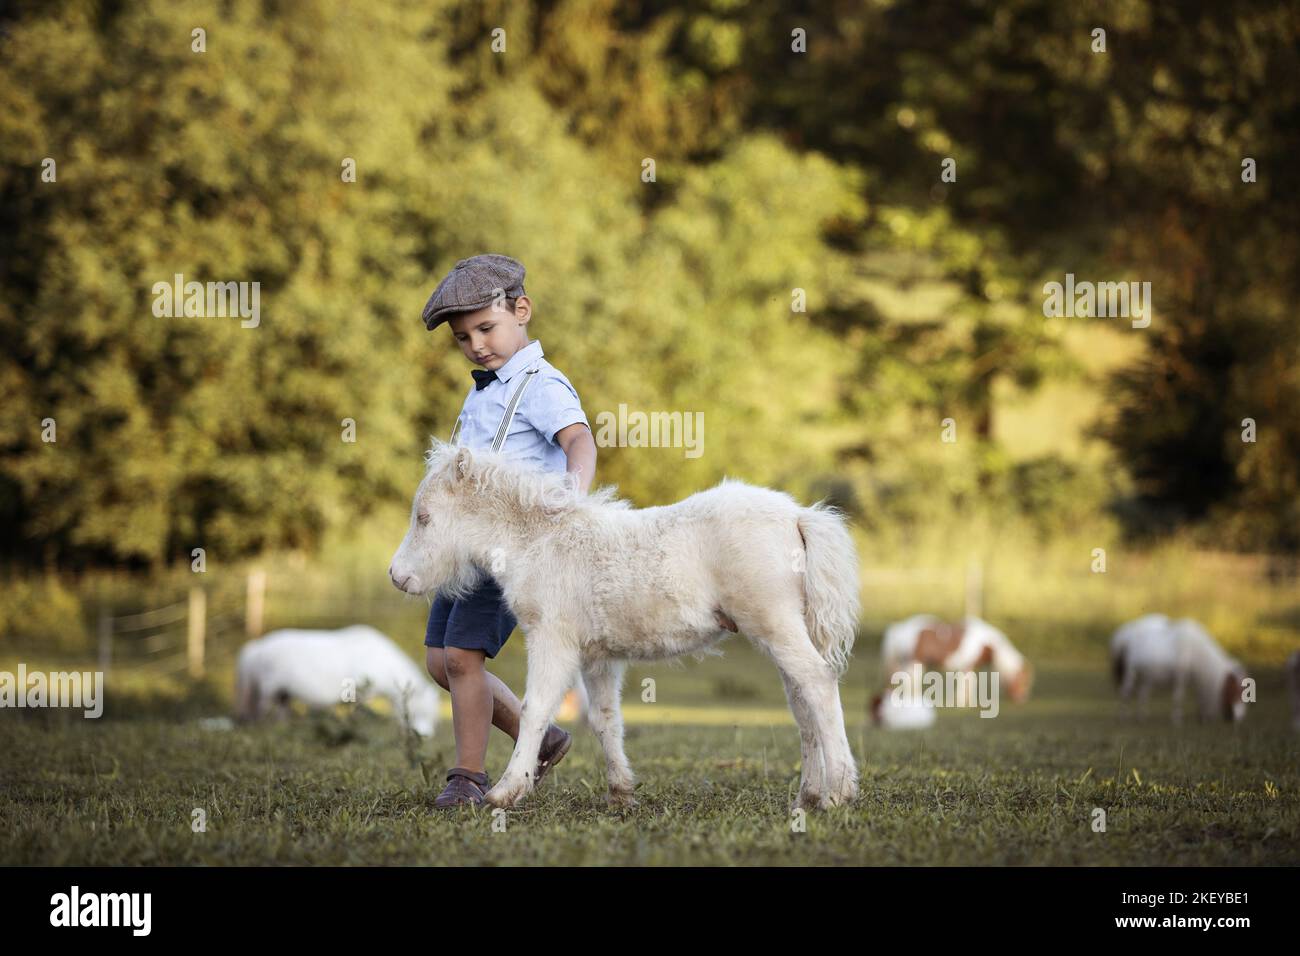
column 462, row 464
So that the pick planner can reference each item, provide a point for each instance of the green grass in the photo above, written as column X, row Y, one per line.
column 347, row 789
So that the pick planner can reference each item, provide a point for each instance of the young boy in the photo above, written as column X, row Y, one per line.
column 524, row 407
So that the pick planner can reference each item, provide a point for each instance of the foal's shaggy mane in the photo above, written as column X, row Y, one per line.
column 490, row 473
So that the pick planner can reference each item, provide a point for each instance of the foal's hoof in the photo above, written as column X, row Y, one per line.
column 504, row 796
column 845, row 795
column 809, row 801
column 621, row 800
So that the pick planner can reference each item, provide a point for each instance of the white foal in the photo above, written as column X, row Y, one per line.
column 595, row 583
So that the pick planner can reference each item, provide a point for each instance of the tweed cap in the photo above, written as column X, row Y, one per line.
column 473, row 284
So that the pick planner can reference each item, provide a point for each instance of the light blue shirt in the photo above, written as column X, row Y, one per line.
column 549, row 403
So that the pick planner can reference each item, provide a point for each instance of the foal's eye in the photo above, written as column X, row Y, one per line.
column 422, row 517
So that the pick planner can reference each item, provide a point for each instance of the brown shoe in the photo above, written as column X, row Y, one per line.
column 555, row 745
column 463, row 787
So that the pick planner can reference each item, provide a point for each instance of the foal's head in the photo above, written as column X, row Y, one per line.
column 465, row 502
column 433, row 556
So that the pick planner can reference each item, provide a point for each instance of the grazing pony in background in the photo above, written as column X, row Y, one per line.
column 1156, row 651
column 1126, row 634
column 595, row 583
column 317, row 667
column 963, row 647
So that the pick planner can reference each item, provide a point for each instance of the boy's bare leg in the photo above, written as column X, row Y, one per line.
column 472, row 706
column 505, row 705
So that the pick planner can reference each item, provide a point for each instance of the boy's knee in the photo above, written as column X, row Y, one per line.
column 436, row 662
column 461, row 662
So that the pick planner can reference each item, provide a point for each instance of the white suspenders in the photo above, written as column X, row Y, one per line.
column 509, row 415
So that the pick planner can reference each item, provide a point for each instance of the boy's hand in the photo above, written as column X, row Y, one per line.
column 580, row 449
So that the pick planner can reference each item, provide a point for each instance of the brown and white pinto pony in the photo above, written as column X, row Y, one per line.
column 965, row 646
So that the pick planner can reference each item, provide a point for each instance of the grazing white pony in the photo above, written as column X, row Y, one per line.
column 963, row 647
column 1155, row 651
column 319, row 667
column 595, row 583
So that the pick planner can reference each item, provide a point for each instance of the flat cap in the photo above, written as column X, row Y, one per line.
column 474, row 283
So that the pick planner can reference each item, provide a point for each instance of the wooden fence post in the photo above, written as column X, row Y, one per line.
column 254, row 603
column 197, row 628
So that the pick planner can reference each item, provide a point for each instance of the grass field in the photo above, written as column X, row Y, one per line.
column 717, row 759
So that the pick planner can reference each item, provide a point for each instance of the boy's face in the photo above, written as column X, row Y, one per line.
column 489, row 336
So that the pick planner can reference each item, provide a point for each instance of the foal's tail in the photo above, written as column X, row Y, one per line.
column 831, row 603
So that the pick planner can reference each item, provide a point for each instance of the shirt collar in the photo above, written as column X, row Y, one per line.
column 525, row 357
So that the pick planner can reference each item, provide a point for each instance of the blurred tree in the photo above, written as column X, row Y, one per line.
column 224, row 165
column 775, row 172
column 1118, row 164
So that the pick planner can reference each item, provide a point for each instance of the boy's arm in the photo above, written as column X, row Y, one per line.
column 580, row 449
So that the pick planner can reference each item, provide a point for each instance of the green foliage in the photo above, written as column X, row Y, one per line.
column 1127, row 164
column 774, row 172
column 45, row 612
column 181, row 432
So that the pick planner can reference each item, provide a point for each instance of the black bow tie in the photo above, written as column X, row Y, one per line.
column 482, row 377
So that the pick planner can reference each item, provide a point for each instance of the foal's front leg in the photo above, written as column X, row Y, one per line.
column 551, row 672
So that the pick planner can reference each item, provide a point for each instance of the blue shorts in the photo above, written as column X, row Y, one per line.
column 479, row 622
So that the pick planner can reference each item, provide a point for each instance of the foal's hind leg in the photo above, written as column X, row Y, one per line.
column 604, row 682
column 785, row 639
column 811, row 776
